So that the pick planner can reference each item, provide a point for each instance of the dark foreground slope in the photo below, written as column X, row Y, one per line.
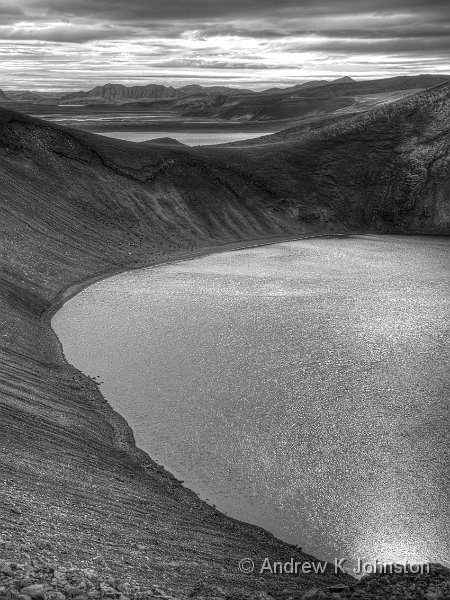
column 74, row 206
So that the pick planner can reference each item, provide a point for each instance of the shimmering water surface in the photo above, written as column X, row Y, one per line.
column 300, row 386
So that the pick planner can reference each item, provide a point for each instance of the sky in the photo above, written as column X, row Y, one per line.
column 77, row 44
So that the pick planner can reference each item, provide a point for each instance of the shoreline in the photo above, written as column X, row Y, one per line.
column 122, row 423
column 65, row 295
column 122, row 428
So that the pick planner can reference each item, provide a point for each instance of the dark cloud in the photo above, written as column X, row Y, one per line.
column 206, row 9
column 65, row 33
column 219, row 40
column 10, row 13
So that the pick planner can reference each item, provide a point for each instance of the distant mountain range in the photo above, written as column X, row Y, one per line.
column 311, row 98
column 112, row 93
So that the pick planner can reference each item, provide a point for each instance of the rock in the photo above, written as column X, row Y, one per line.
column 313, row 594
column 338, row 588
column 24, row 597
column 36, row 591
column 431, row 596
column 16, row 511
column 58, row 596
column 124, row 587
column 109, row 591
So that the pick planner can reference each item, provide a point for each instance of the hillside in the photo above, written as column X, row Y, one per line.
column 306, row 100
column 386, row 169
column 113, row 93
column 75, row 207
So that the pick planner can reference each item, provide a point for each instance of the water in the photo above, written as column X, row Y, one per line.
column 300, row 386
column 191, row 138
column 140, row 124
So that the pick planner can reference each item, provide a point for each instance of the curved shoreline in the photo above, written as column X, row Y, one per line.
column 123, row 431
column 65, row 295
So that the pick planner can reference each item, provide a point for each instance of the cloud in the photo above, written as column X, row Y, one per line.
column 199, row 63
column 64, row 33
column 242, row 40
column 206, row 9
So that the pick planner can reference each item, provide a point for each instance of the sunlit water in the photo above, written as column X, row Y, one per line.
column 300, row 386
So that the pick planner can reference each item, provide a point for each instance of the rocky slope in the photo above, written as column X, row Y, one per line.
column 39, row 581
column 76, row 493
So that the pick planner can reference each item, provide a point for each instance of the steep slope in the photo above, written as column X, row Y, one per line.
column 387, row 169
column 75, row 206
column 3, row 96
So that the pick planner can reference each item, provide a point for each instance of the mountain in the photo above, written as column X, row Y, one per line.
column 343, row 80
column 117, row 93
column 114, row 92
column 311, row 100
column 3, row 97
column 76, row 207
column 215, row 89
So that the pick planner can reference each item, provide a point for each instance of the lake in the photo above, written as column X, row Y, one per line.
column 190, row 138
column 139, row 124
column 300, row 386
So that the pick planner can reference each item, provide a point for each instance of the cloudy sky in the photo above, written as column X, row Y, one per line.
column 76, row 44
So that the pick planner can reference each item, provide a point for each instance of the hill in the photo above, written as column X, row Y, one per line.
column 76, row 207
column 386, row 169
column 308, row 100
column 114, row 92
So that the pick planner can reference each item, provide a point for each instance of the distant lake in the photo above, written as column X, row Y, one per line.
column 190, row 138
column 301, row 386
column 139, row 124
